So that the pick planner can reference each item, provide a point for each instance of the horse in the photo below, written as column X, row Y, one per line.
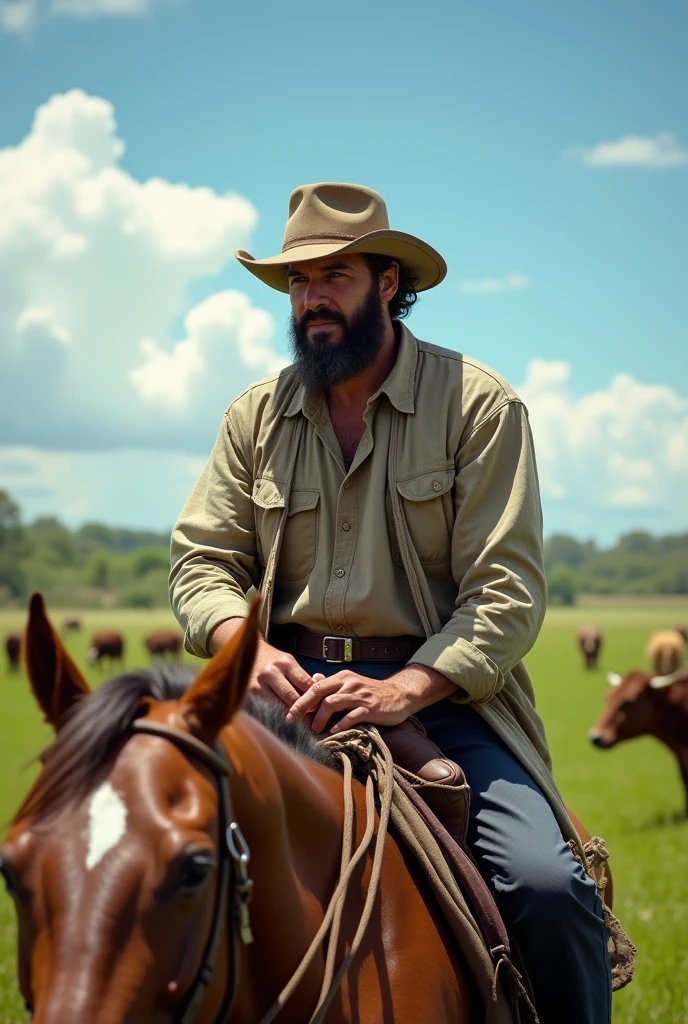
column 128, row 909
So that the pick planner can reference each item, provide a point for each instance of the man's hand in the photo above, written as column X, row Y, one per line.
column 379, row 701
column 276, row 675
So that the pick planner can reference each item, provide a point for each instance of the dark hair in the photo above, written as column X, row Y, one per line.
column 406, row 294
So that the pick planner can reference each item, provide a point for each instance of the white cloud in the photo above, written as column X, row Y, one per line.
column 662, row 152
column 94, row 268
column 622, row 447
column 514, row 282
column 19, row 16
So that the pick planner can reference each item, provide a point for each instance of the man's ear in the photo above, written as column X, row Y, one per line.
column 55, row 680
column 217, row 694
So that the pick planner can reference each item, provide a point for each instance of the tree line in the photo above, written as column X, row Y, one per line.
column 98, row 565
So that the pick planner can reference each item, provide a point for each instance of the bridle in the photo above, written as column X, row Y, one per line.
column 234, row 887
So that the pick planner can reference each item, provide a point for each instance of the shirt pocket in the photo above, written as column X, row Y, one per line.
column 300, row 540
column 427, row 504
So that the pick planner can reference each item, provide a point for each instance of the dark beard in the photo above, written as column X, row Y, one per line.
column 321, row 363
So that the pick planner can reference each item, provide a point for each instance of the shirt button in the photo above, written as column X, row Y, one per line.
column 340, row 573
column 347, row 485
column 437, row 486
column 345, row 526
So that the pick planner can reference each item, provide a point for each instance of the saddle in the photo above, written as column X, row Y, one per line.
column 438, row 789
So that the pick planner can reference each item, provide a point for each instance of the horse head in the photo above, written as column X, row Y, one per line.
column 114, row 858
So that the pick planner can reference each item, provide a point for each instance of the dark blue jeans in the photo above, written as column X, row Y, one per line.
column 547, row 900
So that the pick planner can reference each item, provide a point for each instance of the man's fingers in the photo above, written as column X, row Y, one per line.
column 272, row 677
column 355, row 717
column 310, row 700
column 331, row 705
column 296, row 675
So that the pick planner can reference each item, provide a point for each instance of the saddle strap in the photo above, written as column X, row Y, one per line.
column 468, row 876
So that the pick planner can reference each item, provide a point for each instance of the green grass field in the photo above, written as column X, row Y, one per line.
column 631, row 795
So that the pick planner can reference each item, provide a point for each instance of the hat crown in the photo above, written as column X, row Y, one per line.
column 333, row 211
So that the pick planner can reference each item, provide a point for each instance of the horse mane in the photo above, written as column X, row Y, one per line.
column 82, row 752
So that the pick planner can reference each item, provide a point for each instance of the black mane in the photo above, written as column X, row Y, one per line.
column 81, row 754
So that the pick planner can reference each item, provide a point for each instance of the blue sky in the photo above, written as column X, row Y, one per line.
column 543, row 151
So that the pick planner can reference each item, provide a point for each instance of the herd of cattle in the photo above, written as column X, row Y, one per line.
column 106, row 646
column 640, row 703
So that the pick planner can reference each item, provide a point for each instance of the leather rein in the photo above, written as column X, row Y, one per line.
column 234, row 887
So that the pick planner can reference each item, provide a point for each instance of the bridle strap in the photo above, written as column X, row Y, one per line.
column 218, row 762
column 188, row 743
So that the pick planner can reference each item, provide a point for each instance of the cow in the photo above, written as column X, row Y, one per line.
column 665, row 652
column 106, row 644
column 640, row 704
column 13, row 642
column 71, row 625
column 590, row 643
column 164, row 641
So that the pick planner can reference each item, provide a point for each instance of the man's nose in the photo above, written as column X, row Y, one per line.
column 314, row 297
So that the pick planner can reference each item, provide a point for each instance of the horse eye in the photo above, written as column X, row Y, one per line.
column 194, row 871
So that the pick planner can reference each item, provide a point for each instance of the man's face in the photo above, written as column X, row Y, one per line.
column 338, row 321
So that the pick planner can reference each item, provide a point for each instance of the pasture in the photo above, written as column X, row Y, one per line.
column 632, row 795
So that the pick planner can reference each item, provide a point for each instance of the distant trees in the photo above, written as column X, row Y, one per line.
column 99, row 564
column 639, row 563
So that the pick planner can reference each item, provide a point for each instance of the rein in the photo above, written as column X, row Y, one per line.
column 235, row 884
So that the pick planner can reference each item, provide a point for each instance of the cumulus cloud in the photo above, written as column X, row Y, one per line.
column 622, row 447
column 514, row 282
column 661, row 152
column 94, row 267
column 19, row 16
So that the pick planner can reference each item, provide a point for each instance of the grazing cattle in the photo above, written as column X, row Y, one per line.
column 164, row 641
column 665, row 651
column 71, row 625
column 13, row 642
column 106, row 644
column 643, row 705
column 590, row 643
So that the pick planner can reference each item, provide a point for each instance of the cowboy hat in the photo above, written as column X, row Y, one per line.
column 333, row 217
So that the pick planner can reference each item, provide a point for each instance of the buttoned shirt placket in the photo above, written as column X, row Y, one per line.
column 346, row 523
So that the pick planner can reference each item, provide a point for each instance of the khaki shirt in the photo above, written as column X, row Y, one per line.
column 435, row 530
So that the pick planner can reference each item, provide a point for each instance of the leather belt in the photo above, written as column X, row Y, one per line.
column 297, row 640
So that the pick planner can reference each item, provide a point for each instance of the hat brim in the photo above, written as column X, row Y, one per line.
column 415, row 254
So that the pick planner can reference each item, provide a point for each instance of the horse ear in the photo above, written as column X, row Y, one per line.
column 218, row 692
column 55, row 680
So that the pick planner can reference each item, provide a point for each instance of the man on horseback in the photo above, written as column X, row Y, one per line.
column 382, row 494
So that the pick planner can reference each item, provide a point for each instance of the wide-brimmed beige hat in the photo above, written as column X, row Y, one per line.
column 334, row 217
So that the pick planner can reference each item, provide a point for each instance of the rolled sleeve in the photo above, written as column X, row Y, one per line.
column 213, row 550
column 497, row 558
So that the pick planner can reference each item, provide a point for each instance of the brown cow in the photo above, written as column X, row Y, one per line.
column 164, row 641
column 13, row 642
column 106, row 644
column 71, row 625
column 590, row 643
column 643, row 705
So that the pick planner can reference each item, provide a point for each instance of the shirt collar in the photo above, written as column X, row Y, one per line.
column 399, row 386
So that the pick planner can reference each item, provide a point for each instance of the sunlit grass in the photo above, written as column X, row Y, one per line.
column 632, row 795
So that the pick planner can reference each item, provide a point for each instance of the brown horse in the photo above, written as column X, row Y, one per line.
column 127, row 909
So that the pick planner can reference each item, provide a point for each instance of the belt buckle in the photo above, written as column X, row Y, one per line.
column 348, row 649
